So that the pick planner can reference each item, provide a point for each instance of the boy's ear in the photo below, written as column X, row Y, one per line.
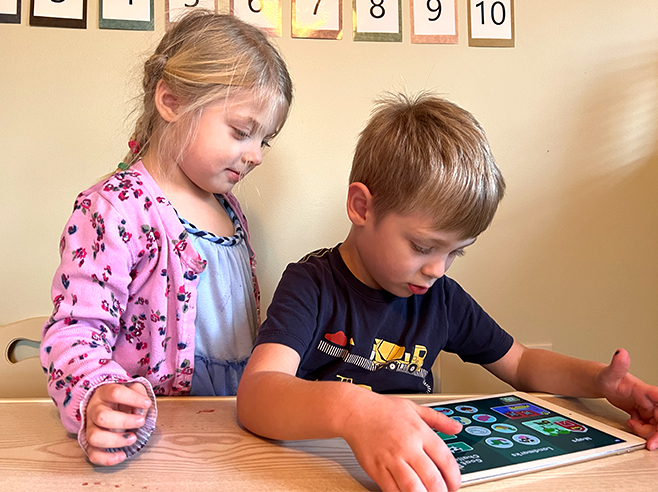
column 166, row 102
column 359, row 203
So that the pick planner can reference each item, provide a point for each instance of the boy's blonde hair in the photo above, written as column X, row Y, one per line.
column 203, row 58
column 426, row 154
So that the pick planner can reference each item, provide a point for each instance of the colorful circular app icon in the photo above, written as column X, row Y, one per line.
column 466, row 409
column 461, row 420
column 485, row 418
column 476, row 430
column 526, row 439
column 504, row 428
column 499, row 442
column 444, row 410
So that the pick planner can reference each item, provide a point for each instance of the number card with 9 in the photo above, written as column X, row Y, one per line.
column 434, row 21
column 178, row 8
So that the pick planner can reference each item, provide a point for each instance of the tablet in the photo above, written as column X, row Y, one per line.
column 514, row 433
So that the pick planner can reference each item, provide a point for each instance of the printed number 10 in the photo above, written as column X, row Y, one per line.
column 493, row 12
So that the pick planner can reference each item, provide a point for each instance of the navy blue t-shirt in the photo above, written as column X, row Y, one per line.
column 344, row 330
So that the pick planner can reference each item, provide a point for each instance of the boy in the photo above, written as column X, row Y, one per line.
column 377, row 309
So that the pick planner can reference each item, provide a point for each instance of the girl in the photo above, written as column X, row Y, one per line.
column 156, row 292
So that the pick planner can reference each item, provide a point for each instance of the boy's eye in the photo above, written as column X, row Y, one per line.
column 458, row 252
column 420, row 249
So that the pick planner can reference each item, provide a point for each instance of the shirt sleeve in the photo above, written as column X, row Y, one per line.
column 473, row 334
column 292, row 315
column 90, row 292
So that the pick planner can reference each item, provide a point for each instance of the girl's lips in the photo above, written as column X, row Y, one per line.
column 417, row 289
column 233, row 175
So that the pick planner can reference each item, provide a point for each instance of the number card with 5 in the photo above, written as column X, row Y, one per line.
column 265, row 14
column 319, row 19
column 434, row 21
column 377, row 20
column 491, row 23
column 178, row 8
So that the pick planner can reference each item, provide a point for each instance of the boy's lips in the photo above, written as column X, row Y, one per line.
column 417, row 289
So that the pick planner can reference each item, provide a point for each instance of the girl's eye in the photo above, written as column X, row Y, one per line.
column 241, row 135
column 264, row 143
column 420, row 249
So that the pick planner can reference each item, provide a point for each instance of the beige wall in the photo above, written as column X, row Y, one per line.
column 571, row 113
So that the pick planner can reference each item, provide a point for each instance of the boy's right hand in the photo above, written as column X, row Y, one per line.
column 113, row 411
column 393, row 441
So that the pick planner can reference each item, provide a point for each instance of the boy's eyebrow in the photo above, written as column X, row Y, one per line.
column 441, row 242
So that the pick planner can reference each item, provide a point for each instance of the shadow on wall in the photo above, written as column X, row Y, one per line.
column 587, row 280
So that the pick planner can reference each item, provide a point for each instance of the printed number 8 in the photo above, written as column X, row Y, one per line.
column 437, row 9
column 379, row 5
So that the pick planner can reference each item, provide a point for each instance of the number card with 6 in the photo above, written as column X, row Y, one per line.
column 319, row 19
column 377, row 20
column 491, row 23
column 265, row 14
column 136, row 15
column 434, row 21
column 178, row 8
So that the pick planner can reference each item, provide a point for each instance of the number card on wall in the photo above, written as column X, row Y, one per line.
column 59, row 13
column 491, row 23
column 178, row 8
column 377, row 20
column 126, row 14
column 10, row 11
column 319, row 19
column 265, row 14
column 434, row 21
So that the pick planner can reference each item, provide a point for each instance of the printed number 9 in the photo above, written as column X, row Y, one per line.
column 379, row 5
column 250, row 3
column 437, row 9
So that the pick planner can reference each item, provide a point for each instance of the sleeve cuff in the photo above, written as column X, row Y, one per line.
column 143, row 433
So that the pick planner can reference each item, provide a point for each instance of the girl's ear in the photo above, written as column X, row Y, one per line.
column 166, row 102
column 359, row 203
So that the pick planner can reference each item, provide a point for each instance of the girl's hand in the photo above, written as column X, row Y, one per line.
column 632, row 395
column 113, row 412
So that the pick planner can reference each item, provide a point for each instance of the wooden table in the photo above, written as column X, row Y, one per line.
column 198, row 446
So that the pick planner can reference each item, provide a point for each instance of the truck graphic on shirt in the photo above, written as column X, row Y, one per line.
column 395, row 358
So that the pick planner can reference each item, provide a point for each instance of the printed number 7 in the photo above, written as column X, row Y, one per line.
column 317, row 4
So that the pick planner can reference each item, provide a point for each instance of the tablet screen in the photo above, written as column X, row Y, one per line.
column 506, row 430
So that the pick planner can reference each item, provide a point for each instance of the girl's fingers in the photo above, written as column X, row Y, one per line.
column 101, row 438
column 99, row 456
column 119, row 394
column 107, row 418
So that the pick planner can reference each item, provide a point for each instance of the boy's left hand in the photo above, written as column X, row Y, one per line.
column 632, row 395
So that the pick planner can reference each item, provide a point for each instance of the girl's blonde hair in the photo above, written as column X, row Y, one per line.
column 425, row 154
column 203, row 58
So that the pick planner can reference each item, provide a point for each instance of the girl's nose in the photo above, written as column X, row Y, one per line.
column 253, row 155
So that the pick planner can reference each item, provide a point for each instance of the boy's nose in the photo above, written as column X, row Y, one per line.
column 434, row 269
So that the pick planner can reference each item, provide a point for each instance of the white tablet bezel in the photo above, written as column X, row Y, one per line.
column 632, row 442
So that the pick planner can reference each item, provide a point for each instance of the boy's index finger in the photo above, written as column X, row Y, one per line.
column 438, row 421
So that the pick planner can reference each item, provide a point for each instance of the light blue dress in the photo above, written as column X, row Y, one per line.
column 226, row 319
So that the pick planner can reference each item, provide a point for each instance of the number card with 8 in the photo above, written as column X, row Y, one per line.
column 434, row 21
column 265, row 14
column 320, row 19
column 377, row 20
column 491, row 23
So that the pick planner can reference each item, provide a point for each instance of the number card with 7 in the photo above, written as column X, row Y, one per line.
column 265, row 14
column 491, row 23
column 319, row 19
column 434, row 21
column 377, row 20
